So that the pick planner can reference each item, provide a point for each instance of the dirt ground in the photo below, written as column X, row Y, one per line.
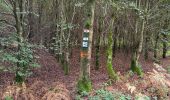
column 51, row 74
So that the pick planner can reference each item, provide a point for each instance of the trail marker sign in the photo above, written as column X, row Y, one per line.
column 85, row 43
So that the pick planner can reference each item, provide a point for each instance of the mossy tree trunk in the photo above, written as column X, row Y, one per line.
column 84, row 83
column 165, row 37
column 111, row 73
column 164, row 51
column 137, row 50
column 135, row 66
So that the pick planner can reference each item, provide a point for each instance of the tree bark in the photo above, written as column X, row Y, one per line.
column 111, row 73
column 31, row 20
column 84, row 83
column 164, row 46
column 156, row 46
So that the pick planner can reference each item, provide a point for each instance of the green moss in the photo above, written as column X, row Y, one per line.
column 84, row 84
column 8, row 98
column 139, row 71
column 136, row 68
column 87, row 24
column 133, row 65
column 66, row 68
column 112, row 74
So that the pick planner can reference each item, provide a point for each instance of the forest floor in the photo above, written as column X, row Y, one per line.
column 51, row 76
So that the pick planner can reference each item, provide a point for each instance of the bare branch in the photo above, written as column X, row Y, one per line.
column 7, row 14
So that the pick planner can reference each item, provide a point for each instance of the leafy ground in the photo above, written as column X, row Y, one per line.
column 50, row 83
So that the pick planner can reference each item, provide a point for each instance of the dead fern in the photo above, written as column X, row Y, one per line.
column 18, row 93
column 58, row 93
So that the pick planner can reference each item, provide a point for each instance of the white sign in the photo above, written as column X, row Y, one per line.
column 85, row 38
column 86, row 30
column 85, row 44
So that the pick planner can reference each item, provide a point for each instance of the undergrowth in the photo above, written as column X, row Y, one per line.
column 19, row 55
column 103, row 94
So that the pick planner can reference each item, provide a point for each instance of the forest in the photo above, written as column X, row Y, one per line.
column 84, row 49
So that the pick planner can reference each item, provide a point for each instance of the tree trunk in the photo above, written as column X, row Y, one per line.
column 91, row 33
column 164, row 46
column 84, row 83
column 156, row 46
column 19, row 27
column 146, row 47
column 111, row 73
column 135, row 66
column 115, row 42
column 98, row 40
column 31, row 20
column 67, row 60
column 97, row 53
column 165, row 38
column 141, row 40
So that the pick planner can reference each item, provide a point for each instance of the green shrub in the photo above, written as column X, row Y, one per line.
column 78, row 97
column 120, row 96
column 125, row 97
column 8, row 98
column 107, row 95
column 19, row 55
column 142, row 98
column 102, row 95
